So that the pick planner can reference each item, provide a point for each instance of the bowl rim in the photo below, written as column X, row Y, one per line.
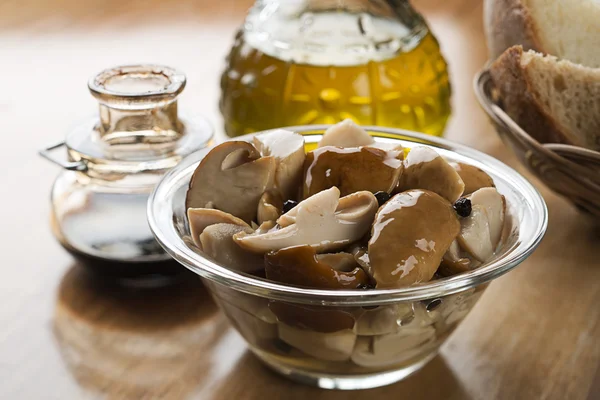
column 438, row 288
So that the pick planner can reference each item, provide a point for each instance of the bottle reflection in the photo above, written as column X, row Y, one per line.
column 136, row 343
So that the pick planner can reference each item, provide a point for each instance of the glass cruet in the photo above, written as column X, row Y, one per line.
column 111, row 165
column 321, row 61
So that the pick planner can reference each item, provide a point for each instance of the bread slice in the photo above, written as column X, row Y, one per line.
column 554, row 101
column 568, row 29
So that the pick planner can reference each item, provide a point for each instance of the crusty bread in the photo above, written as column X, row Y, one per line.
column 568, row 29
column 554, row 101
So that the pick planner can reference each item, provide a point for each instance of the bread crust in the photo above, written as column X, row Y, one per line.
column 509, row 23
column 520, row 101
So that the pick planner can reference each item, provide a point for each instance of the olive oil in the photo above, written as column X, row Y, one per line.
column 384, row 81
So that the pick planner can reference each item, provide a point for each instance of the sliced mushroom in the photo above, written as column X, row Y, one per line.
column 301, row 266
column 255, row 330
column 456, row 307
column 253, row 305
column 474, row 234
column 394, row 348
column 270, row 206
column 316, row 318
column 455, row 261
column 405, row 339
column 390, row 147
column 351, row 169
column 200, row 218
column 411, row 233
column 346, row 134
column 287, row 148
column 342, row 262
column 494, row 205
column 473, row 177
column 323, row 221
column 335, row 346
column 232, row 178
column 383, row 319
column 403, row 345
column 217, row 243
column 425, row 169
column 361, row 256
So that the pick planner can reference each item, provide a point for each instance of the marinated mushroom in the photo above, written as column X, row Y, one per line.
column 394, row 348
column 346, row 134
column 324, row 221
column 287, row 148
column 251, row 304
column 455, row 261
column 494, row 205
column 335, row 346
column 200, row 218
column 270, row 206
column 217, row 243
column 301, row 266
column 474, row 234
column 232, row 178
column 315, row 318
column 361, row 255
column 255, row 330
column 410, row 235
column 351, row 169
column 474, row 178
column 425, row 169
column 383, row 319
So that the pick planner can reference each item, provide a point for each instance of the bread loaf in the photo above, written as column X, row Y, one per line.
column 554, row 101
column 568, row 29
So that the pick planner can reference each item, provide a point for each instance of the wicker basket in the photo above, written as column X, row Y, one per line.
column 573, row 172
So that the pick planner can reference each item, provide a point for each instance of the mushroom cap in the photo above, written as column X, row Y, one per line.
column 474, row 178
column 200, row 218
column 301, row 266
column 323, row 221
column 217, row 243
column 410, row 235
column 270, row 206
column 232, row 178
column 287, row 148
column 425, row 169
column 346, row 134
column 351, row 169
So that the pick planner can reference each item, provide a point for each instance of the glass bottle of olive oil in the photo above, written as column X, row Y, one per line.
column 297, row 62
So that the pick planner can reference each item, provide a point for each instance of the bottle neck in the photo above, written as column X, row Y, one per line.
column 138, row 105
column 333, row 32
column 400, row 9
column 148, row 125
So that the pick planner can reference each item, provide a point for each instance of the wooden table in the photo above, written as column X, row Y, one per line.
column 533, row 335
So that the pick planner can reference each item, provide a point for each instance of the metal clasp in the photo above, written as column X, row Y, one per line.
column 69, row 165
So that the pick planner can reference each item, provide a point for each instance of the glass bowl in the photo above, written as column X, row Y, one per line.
column 350, row 339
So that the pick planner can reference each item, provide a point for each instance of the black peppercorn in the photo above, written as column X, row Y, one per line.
column 382, row 197
column 288, row 205
column 365, row 286
column 463, row 207
column 434, row 304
